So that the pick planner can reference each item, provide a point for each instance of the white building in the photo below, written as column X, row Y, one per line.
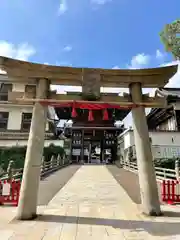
column 164, row 129
column 15, row 119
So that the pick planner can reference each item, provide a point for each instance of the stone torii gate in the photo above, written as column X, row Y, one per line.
column 91, row 80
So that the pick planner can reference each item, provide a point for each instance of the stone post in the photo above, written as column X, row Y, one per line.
column 147, row 177
column 52, row 161
column 10, row 169
column 177, row 169
column 56, row 161
column 43, row 164
column 59, row 160
column 31, row 176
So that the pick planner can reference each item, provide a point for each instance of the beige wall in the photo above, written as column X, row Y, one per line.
column 15, row 116
column 14, row 120
column 15, row 111
column 18, row 87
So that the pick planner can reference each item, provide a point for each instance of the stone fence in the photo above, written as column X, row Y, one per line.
column 161, row 173
column 47, row 167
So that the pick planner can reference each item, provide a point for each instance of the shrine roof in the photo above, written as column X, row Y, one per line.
column 158, row 115
column 171, row 94
column 150, row 78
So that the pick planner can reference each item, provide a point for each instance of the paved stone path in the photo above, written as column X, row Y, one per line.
column 92, row 205
column 132, row 185
column 54, row 183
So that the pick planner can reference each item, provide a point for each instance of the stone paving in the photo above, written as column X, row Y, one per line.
column 92, row 205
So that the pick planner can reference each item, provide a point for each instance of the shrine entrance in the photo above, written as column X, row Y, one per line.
column 89, row 102
column 93, row 132
column 97, row 145
column 92, row 151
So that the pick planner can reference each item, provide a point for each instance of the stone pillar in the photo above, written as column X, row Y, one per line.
column 82, row 147
column 32, row 168
column 147, row 178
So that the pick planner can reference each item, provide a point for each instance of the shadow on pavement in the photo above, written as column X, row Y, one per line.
column 52, row 184
column 128, row 180
column 153, row 228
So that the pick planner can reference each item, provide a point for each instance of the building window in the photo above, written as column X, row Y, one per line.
column 30, row 90
column 4, row 89
column 4, row 120
column 26, row 121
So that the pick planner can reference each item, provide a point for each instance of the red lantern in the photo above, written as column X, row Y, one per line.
column 90, row 117
column 74, row 113
column 105, row 115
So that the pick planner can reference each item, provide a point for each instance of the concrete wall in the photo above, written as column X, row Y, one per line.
column 157, row 138
column 164, row 144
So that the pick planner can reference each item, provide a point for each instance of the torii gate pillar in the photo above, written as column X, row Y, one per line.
column 31, row 175
column 147, row 178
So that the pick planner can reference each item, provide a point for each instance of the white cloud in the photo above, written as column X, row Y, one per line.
column 65, row 64
column 139, row 61
column 160, row 55
column 100, row 2
column 142, row 60
column 21, row 52
column 67, row 48
column 62, row 7
column 115, row 67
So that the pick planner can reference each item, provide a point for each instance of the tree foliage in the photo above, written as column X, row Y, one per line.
column 17, row 154
column 170, row 36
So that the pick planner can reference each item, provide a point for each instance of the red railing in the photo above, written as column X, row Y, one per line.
column 9, row 192
column 170, row 191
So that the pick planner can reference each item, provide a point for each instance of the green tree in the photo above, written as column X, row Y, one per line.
column 170, row 36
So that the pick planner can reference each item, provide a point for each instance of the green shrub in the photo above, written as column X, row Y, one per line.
column 14, row 153
column 17, row 154
column 165, row 163
column 53, row 150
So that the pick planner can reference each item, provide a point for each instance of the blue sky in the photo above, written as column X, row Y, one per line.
column 87, row 33
column 90, row 33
